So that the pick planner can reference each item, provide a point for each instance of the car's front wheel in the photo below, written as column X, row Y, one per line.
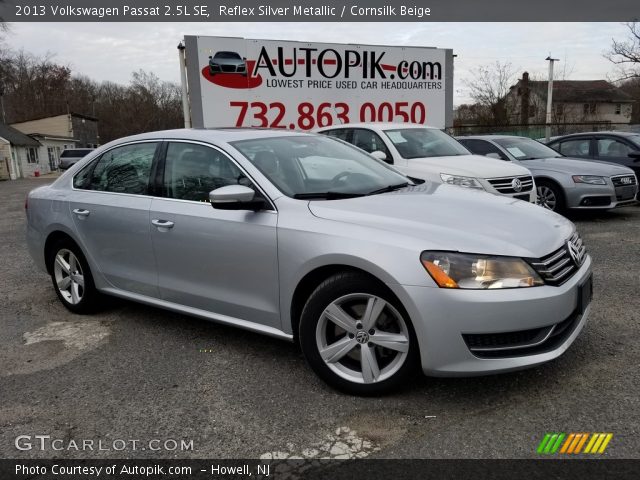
column 71, row 277
column 550, row 196
column 356, row 337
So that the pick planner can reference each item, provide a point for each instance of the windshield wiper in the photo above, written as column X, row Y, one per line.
column 388, row 188
column 326, row 195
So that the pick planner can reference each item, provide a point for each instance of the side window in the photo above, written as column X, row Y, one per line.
column 370, row 142
column 611, row 148
column 482, row 147
column 123, row 169
column 574, row 148
column 341, row 133
column 191, row 171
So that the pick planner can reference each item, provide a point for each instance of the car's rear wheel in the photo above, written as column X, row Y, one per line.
column 71, row 277
column 550, row 196
column 356, row 337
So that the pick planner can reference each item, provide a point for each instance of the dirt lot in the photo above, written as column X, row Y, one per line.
column 137, row 373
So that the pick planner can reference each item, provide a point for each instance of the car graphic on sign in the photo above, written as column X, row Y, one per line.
column 227, row 62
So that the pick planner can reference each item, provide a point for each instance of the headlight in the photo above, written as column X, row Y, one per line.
column 478, row 272
column 590, row 179
column 468, row 182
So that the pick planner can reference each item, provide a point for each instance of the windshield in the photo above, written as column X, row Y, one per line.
column 526, row 148
column 424, row 142
column 317, row 166
column 227, row 55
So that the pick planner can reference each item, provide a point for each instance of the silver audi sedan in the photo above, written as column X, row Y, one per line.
column 308, row 239
column 563, row 183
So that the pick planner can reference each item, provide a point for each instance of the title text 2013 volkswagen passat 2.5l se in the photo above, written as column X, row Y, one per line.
column 309, row 239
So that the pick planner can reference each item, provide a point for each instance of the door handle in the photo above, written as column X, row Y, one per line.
column 162, row 223
column 81, row 212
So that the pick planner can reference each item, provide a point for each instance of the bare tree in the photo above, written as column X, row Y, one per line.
column 626, row 53
column 36, row 86
column 490, row 87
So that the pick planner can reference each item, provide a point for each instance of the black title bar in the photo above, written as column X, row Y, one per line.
column 318, row 11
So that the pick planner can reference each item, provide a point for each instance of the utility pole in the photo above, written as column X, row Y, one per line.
column 549, row 97
column 186, row 111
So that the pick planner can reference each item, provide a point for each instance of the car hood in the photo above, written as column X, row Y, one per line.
column 577, row 166
column 468, row 165
column 444, row 217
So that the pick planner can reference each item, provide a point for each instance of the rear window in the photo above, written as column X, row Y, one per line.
column 75, row 153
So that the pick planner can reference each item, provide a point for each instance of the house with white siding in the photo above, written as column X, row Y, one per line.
column 573, row 101
column 20, row 155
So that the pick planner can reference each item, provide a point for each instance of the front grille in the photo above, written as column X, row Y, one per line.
column 558, row 267
column 228, row 68
column 625, row 186
column 523, row 342
column 624, row 180
column 508, row 185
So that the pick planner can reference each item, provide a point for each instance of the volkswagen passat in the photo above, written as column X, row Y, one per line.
column 308, row 239
column 430, row 154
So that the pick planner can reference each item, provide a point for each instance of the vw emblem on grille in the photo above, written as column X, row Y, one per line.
column 576, row 253
column 516, row 184
column 362, row 337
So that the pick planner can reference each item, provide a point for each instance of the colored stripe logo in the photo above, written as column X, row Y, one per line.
column 574, row 443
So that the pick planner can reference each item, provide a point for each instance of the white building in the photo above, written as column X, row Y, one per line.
column 20, row 155
column 574, row 101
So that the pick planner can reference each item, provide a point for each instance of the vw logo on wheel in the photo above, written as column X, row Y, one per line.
column 362, row 337
column 516, row 184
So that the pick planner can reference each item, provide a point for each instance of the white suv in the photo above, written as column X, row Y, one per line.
column 430, row 154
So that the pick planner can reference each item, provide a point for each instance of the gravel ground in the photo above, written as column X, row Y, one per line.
column 138, row 373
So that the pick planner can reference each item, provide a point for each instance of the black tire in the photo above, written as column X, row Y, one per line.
column 313, row 320
column 560, row 205
column 90, row 298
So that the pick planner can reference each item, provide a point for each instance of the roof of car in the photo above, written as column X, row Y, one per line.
column 379, row 125
column 602, row 132
column 487, row 137
column 225, row 135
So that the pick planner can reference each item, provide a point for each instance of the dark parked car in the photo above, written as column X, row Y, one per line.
column 622, row 148
column 227, row 62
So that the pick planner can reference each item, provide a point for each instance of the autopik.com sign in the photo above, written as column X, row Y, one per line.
column 296, row 85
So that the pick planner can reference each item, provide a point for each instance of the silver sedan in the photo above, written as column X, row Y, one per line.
column 563, row 183
column 308, row 239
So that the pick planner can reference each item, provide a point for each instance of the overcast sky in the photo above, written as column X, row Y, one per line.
column 111, row 51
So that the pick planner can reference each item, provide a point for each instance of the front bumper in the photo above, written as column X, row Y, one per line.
column 604, row 197
column 441, row 317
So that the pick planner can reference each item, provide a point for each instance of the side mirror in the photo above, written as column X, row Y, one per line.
column 493, row 155
column 244, row 58
column 234, row 197
column 635, row 156
column 379, row 155
column 210, row 57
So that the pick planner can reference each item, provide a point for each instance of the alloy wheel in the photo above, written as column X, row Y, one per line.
column 362, row 338
column 547, row 197
column 68, row 276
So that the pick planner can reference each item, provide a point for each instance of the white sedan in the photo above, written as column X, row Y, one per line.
column 430, row 154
